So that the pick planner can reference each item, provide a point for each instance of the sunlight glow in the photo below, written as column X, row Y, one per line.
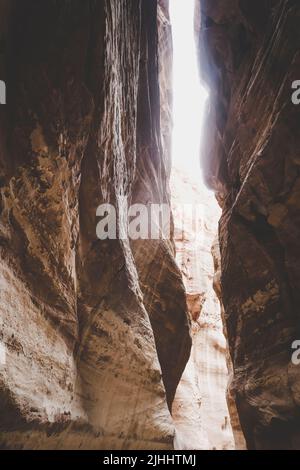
column 189, row 95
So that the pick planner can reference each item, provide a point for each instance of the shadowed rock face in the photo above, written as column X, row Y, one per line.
column 94, row 333
column 249, row 52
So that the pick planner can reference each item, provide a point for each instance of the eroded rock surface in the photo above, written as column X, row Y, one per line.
column 94, row 334
column 249, row 53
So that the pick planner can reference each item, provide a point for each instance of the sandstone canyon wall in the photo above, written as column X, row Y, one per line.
column 249, row 53
column 200, row 410
column 94, row 334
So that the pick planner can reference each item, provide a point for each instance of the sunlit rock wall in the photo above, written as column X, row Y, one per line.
column 239, row 439
column 200, row 409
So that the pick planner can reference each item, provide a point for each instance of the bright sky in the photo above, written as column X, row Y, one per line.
column 189, row 96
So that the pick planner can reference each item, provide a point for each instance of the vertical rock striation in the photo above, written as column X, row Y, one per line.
column 94, row 334
column 249, row 53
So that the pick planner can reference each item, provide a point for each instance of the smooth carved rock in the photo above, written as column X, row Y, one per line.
column 249, row 53
column 94, row 333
